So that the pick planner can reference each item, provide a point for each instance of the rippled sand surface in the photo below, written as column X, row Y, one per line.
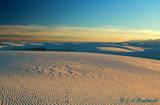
column 46, row 78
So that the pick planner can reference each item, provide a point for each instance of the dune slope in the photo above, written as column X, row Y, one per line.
column 43, row 77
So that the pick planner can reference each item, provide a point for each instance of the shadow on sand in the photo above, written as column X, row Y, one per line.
column 148, row 50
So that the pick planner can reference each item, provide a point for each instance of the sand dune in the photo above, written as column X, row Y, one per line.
column 51, row 78
column 141, row 50
column 113, row 49
column 135, row 48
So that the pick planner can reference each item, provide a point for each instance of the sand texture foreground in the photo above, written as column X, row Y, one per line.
column 69, row 78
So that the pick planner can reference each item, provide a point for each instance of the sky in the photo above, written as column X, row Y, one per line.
column 79, row 20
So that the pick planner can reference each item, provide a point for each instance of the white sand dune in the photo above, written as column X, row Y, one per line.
column 135, row 48
column 58, row 78
column 113, row 49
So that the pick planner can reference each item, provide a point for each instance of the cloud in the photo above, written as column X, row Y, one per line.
column 67, row 33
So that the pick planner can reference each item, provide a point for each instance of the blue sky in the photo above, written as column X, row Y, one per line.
column 123, row 15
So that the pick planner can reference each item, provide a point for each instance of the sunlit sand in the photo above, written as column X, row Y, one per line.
column 77, row 77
